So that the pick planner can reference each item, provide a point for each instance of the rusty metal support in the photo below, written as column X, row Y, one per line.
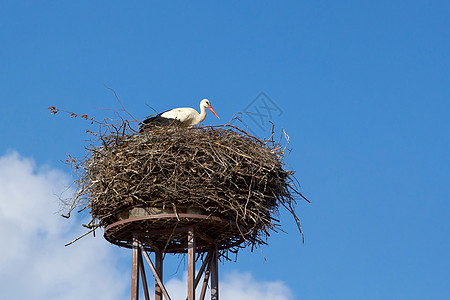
column 191, row 263
column 155, row 274
column 143, row 276
column 205, row 280
column 135, row 268
column 205, row 263
column 215, row 274
column 142, row 242
column 159, row 271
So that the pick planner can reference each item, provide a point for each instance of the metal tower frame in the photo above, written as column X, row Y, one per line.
column 164, row 232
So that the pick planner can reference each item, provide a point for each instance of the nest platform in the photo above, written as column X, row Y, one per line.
column 163, row 230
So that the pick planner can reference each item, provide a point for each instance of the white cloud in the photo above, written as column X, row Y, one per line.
column 235, row 286
column 34, row 264
column 244, row 286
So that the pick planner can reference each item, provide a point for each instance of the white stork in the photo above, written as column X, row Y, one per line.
column 183, row 117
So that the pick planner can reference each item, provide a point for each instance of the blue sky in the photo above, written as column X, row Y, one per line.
column 364, row 91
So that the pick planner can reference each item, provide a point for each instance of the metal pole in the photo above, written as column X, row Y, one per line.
column 191, row 264
column 215, row 275
column 159, row 271
column 135, row 269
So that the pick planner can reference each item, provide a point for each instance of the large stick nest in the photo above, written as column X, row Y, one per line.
column 222, row 171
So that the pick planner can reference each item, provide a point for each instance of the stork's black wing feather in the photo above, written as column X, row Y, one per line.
column 158, row 120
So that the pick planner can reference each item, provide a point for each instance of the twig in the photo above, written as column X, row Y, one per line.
column 120, row 102
column 81, row 236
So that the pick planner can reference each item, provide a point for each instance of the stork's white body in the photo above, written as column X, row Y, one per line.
column 184, row 116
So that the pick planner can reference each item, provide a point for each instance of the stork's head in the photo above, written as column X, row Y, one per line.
column 207, row 104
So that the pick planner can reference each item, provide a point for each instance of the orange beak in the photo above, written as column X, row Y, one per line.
column 212, row 110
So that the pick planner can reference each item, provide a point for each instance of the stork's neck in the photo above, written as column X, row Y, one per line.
column 202, row 115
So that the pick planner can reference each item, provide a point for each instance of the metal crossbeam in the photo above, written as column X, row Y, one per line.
column 155, row 274
column 144, row 278
column 202, row 268
column 205, row 281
